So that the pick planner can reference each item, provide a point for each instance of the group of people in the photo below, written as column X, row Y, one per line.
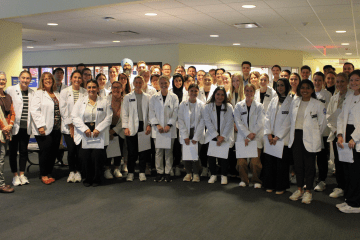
column 214, row 123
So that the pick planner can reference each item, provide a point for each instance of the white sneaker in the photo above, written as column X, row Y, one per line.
column 187, row 178
column 71, row 177
column 142, row 177
column 196, row 178
column 257, row 185
column 171, row 172
column 16, row 181
column 124, row 168
column 337, row 192
column 177, row 172
column 296, row 195
column 341, row 205
column 107, row 174
column 77, row 177
column 24, row 180
column 117, row 173
column 307, row 197
column 349, row 209
column 212, row 179
column 130, row 177
column 204, row 172
column 242, row 184
column 224, row 180
column 320, row 187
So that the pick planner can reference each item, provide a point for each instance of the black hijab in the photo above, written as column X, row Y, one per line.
column 178, row 91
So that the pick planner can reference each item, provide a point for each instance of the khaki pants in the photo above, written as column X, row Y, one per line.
column 255, row 167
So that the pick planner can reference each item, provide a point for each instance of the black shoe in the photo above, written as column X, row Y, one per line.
column 159, row 178
column 168, row 178
column 86, row 184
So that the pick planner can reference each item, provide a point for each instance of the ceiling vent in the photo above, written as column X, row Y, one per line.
column 125, row 33
column 28, row 41
column 247, row 25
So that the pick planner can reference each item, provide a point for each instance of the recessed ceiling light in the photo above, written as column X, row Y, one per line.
column 247, row 25
column 236, row 44
column 150, row 14
column 29, row 47
column 341, row 31
column 344, row 44
column 214, row 35
column 248, row 6
column 52, row 24
column 116, row 41
column 348, row 53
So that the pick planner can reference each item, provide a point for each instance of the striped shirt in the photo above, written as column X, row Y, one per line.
column 25, row 110
column 76, row 95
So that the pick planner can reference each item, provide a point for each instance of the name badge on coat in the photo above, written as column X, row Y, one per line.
column 314, row 116
column 100, row 109
column 267, row 95
column 322, row 100
column 243, row 113
column 132, row 100
column 285, row 112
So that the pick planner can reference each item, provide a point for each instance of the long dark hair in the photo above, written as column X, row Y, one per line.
column 287, row 87
column 310, row 83
column 212, row 99
column 178, row 91
column 127, row 86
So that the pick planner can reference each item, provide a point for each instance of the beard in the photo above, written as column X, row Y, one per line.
column 127, row 72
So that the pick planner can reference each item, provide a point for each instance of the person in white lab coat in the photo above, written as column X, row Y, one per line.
column 249, row 120
column 306, row 122
column 191, row 129
column 219, row 121
column 92, row 117
column 135, row 119
column 276, row 170
column 265, row 93
column 147, row 88
column 254, row 79
column 124, row 80
column 335, row 104
column 206, row 92
column 323, row 156
column 68, row 98
column 163, row 116
column 21, row 96
column 348, row 131
column 45, row 111
column 113, row 76
column 294, row 81
column 101, row 79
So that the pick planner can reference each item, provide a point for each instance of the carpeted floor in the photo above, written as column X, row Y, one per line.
column 177, row 210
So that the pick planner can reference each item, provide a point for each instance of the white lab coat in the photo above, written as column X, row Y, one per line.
column 104, row 92
column 270, row 94
column 42, row 111
column 66, row 106
column 275, row 117
column 331, row 108
column 256, row 121
column 150, row 90
column 15, row 93
column 343, row 120
column 234, row 101
column 164, row 113
column 202, row 95
column 102, row 121
column 226, row 123
column 324, row 97
column 313, row 127
column 184, row 121
column 129, row 112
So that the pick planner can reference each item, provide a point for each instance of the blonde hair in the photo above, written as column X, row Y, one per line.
column 251, row 86
column 41, row 84
column 239, row 90
column 265, row 75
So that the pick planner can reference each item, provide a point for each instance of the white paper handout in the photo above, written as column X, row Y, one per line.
column 221, row 151
column 345, row 154
column 250, row 151
column 90, row 142
column 163, row 140
column 274, row 150
column 113, row 150
column 190, row 152
column 144, row 142
column 332, row 119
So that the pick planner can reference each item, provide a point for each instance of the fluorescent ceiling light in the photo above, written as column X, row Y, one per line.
column 116, row 41
column 214, row 35
column 150, row 14
column 345, row 44
column 246, row 25
column 52, row 24
column 29, row 47
column 348, row 53
column 341, row 31
column 248, row 6
column 236, row 44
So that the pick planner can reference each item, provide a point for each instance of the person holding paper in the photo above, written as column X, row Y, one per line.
column 45, row 111
column 249, row 119
column 348, row 131
column 276, row 170
column 219, row 121
column 323, row 156
column 163, row 115
column 68, row 97
column 135, row 119
column 115, row 99
column 191, row 129
column 306, row 122
column 92, row 117
column 265, row 93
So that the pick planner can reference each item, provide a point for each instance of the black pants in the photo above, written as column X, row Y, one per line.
column 322, row 160
column 352, row 175
column 117, row 160
column 232, row 161
column 177, row 154
column 73, row 154
column 224, row 163
column 339, row 166
column 203, row 155
column 49, row 148
column 19, row 142
column 92, row 160
column 304, row 162
column 276, row 171
column 133, row 152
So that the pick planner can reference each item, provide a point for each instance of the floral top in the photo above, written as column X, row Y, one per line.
column 57, row 116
